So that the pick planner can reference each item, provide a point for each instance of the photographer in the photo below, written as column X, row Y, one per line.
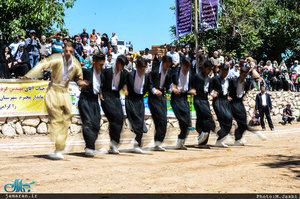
column 32, row 45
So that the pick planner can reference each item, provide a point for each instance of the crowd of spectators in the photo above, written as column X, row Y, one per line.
column 17, row 58
column 276, row 77
column 23, row 54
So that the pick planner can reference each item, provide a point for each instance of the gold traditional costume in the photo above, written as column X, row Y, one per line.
column 57, row 99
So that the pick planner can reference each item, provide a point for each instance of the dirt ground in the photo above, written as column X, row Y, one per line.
column 271, row 166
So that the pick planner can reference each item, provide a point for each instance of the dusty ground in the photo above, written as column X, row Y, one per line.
column 259, row 167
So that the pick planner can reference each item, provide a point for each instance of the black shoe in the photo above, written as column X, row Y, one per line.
column 272, row 129
column 263, row 128
column 284, row 123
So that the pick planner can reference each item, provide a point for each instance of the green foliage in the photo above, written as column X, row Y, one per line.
column 20, row 16
column 262, row 29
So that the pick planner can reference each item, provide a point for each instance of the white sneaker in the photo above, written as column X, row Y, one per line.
column 89, row 152
column 202, row 137
column 238, row 143
column 180, row 144
column 56, row 156
column 100, row 152
column 220, row 143
column 137, row 149
column 260, row 135
column 114, row 148
column 228, row 140
column 159, row 148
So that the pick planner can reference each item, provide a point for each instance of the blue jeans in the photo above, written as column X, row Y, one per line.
column 34, row 59
column 288, row 119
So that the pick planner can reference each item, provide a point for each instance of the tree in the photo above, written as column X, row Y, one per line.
column 263, row 29
column 20, row 16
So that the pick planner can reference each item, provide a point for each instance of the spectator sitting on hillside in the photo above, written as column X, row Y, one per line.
column 86, row 60
column 57, row 44
column 108, row 62
column 8, row 58
column 20, row 62
column 235, row 72
column 86, row 46
column 98, row 40
column 114, row 39
column 148, row 57
column 294, row 66
column 78, row 47
column 269, row 66
column 115, row 54
column 84, row 34
column 93, row 36
column 15, row 45
column 221, row 58
column 5, row 56
column 109, row 48
column 103, row 48
column 174, row 55
column 282, row 66
column 105, row 39
column 32, row 45
column 288, row 83
column 294, row 78
column 45, row 49
column 288, row 115
column 215, row 61
column 130, row 66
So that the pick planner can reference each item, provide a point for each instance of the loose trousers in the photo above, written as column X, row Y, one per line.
column 205, row 122
column 89, row 110
column 224, row 115
column 158, row 108
column 181, row 110
column 59, row 107
column 113, row 111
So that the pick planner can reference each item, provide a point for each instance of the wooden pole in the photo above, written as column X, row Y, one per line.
column 196, row 35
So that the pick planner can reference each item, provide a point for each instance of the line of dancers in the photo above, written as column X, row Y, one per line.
column 106, row 84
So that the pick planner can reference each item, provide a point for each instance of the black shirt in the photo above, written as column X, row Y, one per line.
column 287, row 111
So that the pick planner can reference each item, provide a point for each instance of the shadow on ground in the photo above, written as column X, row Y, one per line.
column 289, row 162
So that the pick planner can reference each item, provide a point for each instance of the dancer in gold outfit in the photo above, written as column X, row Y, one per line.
column 64, row 68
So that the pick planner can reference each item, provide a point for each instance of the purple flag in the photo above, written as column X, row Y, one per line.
column 208, row 14
column 183, row 17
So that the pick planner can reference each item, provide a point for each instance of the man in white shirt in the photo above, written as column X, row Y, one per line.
column 136, row 86
column 15, row 45
column 86, row 46
column 109, row 62
column 88, row 104
column 237, row 90
column 148, row 58
column 235, row 72
column 113, row 80
column 264, row 106
column 221, row 58
column 174, row 55
column 115, row 54
column 98, row 41
column 114, row 39
column 159, row 84
column 219, row 87
column 180, row 87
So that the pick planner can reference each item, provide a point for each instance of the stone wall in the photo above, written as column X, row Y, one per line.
column 32, row 125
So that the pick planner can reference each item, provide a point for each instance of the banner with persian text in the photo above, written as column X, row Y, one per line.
column 26, row 98
column 183, row 17
column 208, row 14
column 22, row 98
